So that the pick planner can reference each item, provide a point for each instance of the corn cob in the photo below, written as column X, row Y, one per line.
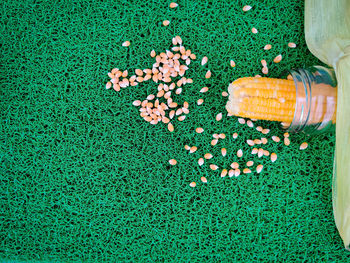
column 262, row 98
column 273, row 99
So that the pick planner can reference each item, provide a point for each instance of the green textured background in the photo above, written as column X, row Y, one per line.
column 83, row 178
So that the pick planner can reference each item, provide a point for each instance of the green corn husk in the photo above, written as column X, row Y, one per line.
column 327, row 32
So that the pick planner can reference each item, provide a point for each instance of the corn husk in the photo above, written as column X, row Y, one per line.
column 327, row 32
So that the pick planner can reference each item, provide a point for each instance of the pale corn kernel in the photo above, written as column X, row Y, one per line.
column 222, row 136
column 250, row 163
column 108, row 85
column 273, row 157
column 250, row 123
column 200, row 161
column 223, row 152
column 199, row 130
column 170, row 127
column 153, row 53
column 263, row 140
column 265, row 131
column 218, row 117
column 232, row 63
column 303, row 146
column 204, row 180
column 277, row 59
column 286, row 141
column 181, row 118
column 224, row 94
column 241, row 120
column 260, row 152
column 275, row 138
column 259, row 128
column 200, row 102
column 166, row 22
column 172, row 161
column 286, row 134
column 239, row 153
column 216, row 136
column 257, row 76
column 231, row 173
column 255, row 151
column 259, row 168
column 193, row 149
column 246, row 8
column 208, row 156
column 187, row 147
column 257, row 141
column 234, row 165
column 214, row 142
column 254, row 30
column 235, row 135
column 173, row 5
column 223, row 173
column 237, row 172
column 292, row 45
column 193, row 184
column 213, row 167
column 267, row 47
column 265, row 70
column 204, row 89
column 136, row 103
column 246, row 171
column 126, row 44
column 250, row 142
column 266, row 153
column 208, row 74
column 204, row 61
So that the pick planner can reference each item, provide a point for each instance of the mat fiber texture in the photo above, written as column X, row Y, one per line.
column 85, row 179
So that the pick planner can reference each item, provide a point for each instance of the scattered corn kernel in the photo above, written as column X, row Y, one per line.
column 153, row 54
column 199, row 130
column 250, row 163
column 292, row 45
column 246, row 8
column 265, row 131
column 231, row 173
column 200, row 161
column 208, row 74
column 224, row 94
column 273, row 157
column 265, row 70
column 193, row 184
column 259, row 128
column 223, row 173
column 286, row 141
column 303, row 146
column 250, row 142
column 263, row 63
column 216, row 136
column 263, row 140
column 136, row 103
column 173, row 5
column 203, row 179
column 222, row 136
column 170, row 127
column 204, row 61
column 208, row 156
column 193, row 149
column 254, row 30
column 213, row 167
column 257, row 141
column 204, row 89
column 234, row 135
column 126, row 44
column 239, row 153
column 172, row 161
column 286, row 134
column 187, row 147
column 260, row 152
column 232, row 63
column 277, row 59
column 255, row 151
column 214, row 142
column 247, row 171
column 181, row 118
column 166, row 22
column 266, row 153
column 250, row 123
column 200, row 102
column 223, row 152
column 259, row 168
column 218, row 117
column 241, row 120
column 275, row 138
column 237, row 172
column 267, row 47
column 234, row 165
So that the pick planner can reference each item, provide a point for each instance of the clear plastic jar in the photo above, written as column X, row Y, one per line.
column 316, row 100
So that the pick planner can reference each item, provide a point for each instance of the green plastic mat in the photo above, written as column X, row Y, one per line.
column 84, row 178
